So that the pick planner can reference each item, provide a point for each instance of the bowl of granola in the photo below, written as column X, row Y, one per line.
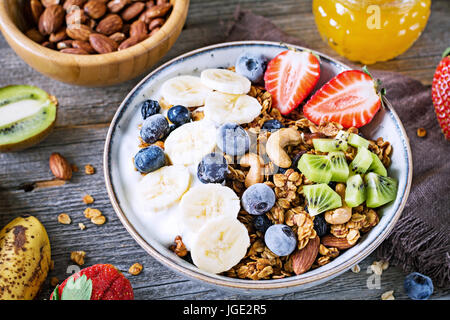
column 257, row 167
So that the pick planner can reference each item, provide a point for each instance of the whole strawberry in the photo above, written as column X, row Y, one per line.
column 440, row 92
column 98, row 282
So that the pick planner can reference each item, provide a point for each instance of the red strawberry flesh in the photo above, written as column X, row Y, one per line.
column 107, row 283
column 290, row 77
column 440, row 91
column 350, row 99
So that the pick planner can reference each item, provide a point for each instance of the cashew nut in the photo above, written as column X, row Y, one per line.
column 277, row 141
column 256, row 172
column 340, row 215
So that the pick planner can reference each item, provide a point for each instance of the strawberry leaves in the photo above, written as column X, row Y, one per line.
column 79, row 289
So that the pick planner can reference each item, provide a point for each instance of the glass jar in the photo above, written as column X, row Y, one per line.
column 371, row 30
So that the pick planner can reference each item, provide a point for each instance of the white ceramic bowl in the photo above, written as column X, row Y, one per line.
column 386, row 124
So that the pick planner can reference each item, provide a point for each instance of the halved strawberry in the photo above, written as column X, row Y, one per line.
column 290, row 77
column 350, row 98
column 440, row 93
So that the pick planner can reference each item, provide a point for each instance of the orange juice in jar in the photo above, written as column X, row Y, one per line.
column 370, row 30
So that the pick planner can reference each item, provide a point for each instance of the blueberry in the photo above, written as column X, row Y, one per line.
column 418, row 286
column 258, row 199
column 332, row 185
column 232, row 139
column 149, row 159
column 272, row 125
column 306, row 208
column 213, row 168
column 280, row 239
column 261, row 223
column 252, row 66
column 320, row 225
column 281, row 170
column 149, row 108
column 179, row 115
column 154, row 128
column 296, row 159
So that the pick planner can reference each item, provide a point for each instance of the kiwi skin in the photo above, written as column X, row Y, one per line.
column 31, row 141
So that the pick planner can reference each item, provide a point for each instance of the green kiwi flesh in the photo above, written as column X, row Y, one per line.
column 27, row 116
column 316, row 168
column 343, row 136
column 380, row 190
column 355, row 192
column 321, row 198
column 339, row 166
column 357, row 141
column 361, row 162
column 377, row 166
column 328, row 145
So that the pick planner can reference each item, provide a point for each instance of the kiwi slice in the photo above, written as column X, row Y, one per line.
column 27, row 116
column 327, row 145
column 316, row 168
column 321, row 198
column 339, row 166
column 357, row 141
column 377, row 166
column 380, row 190
column 355, row 192
column 343, row 136
column 361, row 162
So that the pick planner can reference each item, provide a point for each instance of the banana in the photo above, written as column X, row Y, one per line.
column 189, row 143
column 225, row 81
column 220, row 244
column 223, row 108
column 24, row 258
column 185, row 90
column 162, row 188
column 207, row 201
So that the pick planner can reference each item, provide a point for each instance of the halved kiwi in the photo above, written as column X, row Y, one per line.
column 357, row 141
column 27, row 116
column 355, row 192
column 361, row 162
column 321, row 198
column 339, row 166
column 316, row 168
column 377, row 166
column 380, row 190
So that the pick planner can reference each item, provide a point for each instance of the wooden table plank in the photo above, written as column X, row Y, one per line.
column 82, row 124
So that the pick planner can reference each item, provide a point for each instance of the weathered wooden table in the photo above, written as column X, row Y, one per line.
column 84, row 117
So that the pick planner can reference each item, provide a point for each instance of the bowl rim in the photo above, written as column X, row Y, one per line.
column 233, row 283
column 179, row 10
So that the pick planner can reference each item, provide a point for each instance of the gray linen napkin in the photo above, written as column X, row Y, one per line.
column 420, row 240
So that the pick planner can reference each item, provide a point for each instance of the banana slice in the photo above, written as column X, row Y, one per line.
column 187, row 91
column 225, row 81
column 220, row 244
column 208, row 201
column 163, row 187
column 222, row 108
column 189, row 143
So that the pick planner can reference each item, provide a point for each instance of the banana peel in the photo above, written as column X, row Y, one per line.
column 25, row 258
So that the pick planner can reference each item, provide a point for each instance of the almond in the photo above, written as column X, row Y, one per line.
column 78, row 32
column 51, row 19
column 118, row 37
column 116, row 5
column 335, row 242
column 138, row 29
column 95, row 9
column 76, row 16
column 150, row 4
column 70, row 3
column 86, row 46
column 157, row 11
column 58, row 36
column 101, row 43
column 156, row 23
column 303, row 259
column 128, row 43
column 59, row 166
column 133, row 11
column 110, row 24
column 64, row 44
column 35, row 35
column 48, row 3
column 48, row 44
column 36, row 10
column 74, row 51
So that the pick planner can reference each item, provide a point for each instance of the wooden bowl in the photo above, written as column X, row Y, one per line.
column 90, row 70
